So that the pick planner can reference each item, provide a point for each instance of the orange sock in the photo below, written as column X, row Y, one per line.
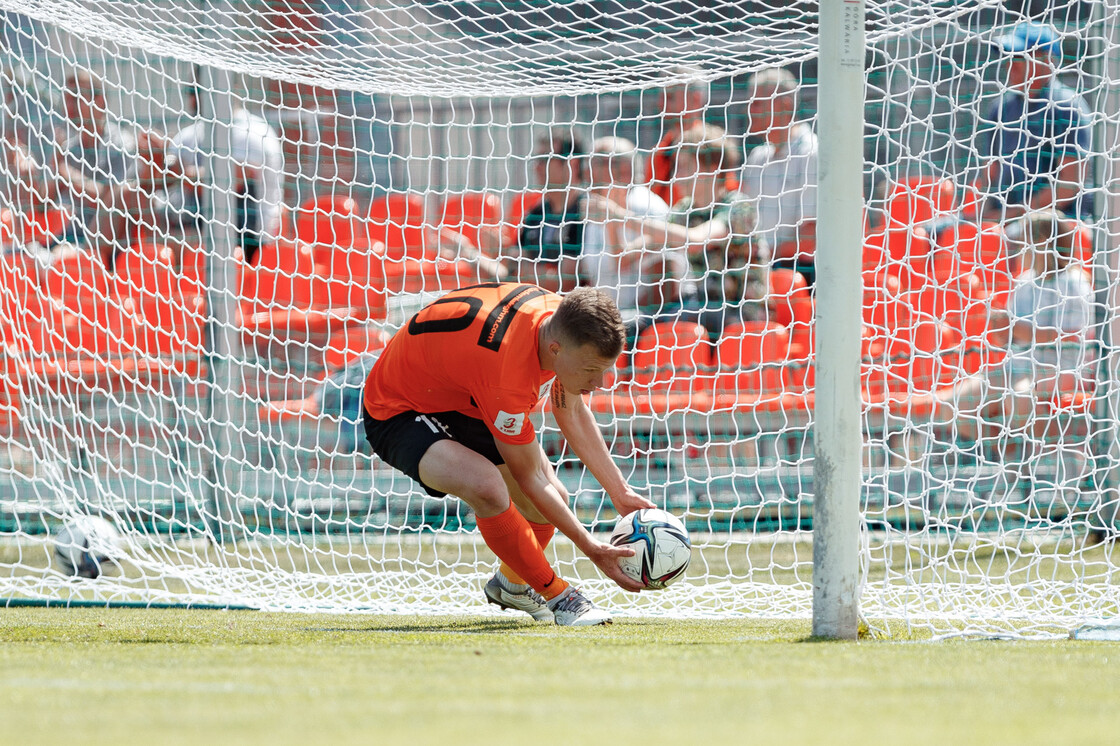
column 544, row 533
column 510, row 537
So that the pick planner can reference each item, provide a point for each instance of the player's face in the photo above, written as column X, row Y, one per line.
column 580, row 369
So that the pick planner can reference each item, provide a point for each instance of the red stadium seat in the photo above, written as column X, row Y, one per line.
column 918, row 200
column 465, row 212
column 397, row 220
column 284, row 277
column 752, row 357
column 78, row 282
column 328, row 223
column 787, row 295
column 355, row 278
column 672, row 356
column 166, row 309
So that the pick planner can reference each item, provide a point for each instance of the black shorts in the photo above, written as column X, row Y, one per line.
column 401, row 441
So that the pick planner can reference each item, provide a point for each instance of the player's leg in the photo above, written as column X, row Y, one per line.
column 570, row 607
column 444, row 453
column 506, row 588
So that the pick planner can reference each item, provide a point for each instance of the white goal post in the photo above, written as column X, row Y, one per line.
column 870, row 278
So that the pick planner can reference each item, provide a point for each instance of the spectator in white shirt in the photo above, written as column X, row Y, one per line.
column 1050, row 317
column 258, row 174
column 780, row 175
column 612, row 250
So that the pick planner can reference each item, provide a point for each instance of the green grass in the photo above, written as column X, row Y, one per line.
column 166, row 677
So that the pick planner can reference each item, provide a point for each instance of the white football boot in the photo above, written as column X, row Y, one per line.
column 572, row 609
column 508, row 595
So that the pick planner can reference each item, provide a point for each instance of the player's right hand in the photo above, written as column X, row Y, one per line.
column 605, row 556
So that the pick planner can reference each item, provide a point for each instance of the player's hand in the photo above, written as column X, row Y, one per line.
column 605, row 556
column 630, row 501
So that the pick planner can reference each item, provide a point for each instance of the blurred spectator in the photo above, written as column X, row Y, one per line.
column 662, row 294
column 1050, row 313
column 705, row 154
column 780, row 175
column 95, row 167
column 732, row 285
column 29, row 220
column 550, row 240
column 611, row 250
column 682, row 106
column 258, row 172
column 1036, row 135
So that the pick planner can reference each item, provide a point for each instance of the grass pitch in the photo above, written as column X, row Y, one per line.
column 168, row 677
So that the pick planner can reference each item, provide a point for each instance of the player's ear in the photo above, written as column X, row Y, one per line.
column 554, row 348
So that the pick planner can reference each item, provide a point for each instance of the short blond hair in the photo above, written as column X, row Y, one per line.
column 590, row 316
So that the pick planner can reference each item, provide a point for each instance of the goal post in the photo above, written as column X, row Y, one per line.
column 837, row 432
column 914, row 426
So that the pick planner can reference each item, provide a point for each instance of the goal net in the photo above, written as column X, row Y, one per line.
column 213, row 215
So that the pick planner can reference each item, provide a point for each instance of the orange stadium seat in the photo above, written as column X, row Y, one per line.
column 466, row 212
column 397, row 220
column 330, row 222
column 918, row 200
column 752, row 357
column 167, row 310
column 95, row 323
column 355, row 278
column 672, row 356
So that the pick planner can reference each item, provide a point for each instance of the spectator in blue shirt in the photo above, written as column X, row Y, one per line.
column 1037, row 134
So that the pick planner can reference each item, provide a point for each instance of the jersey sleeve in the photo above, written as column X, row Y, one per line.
column 506, row 413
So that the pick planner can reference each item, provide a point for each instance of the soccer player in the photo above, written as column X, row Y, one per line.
column 448, row 404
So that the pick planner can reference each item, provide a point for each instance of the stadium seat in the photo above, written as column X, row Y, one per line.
column 918, row 200
column 896, row 250
column 790, row 303
column 285, row 301
column 95, row 325
column 752, row 358
column 167, row 310
column 43, row 227
column 355, row 278
column 283, row 277
column 673, row 357
column 465, row 212
column 329, row 223
column 788, row 293
column 397, row 220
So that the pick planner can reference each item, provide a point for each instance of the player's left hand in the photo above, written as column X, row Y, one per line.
column 630, row 501
column 606, row 556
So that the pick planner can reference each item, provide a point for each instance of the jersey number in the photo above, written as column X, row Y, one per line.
column 497, row 322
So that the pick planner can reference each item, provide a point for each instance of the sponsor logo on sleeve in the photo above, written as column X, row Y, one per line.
column 509, row 424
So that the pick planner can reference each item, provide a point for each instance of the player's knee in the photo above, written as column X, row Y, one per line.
column 489, row 496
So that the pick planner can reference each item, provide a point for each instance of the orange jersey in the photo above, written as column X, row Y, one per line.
column 472, row 351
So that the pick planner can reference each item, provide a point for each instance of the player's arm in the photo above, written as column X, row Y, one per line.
column 526, row 464
column 578, row 425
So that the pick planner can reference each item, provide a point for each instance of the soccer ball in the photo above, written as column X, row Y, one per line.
column 661, row 547
column 84, row 545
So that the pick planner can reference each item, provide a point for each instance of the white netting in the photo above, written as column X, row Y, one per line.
column 213, row 212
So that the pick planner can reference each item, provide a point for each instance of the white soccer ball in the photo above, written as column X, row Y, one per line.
column 85, row 545
column 661, row 547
